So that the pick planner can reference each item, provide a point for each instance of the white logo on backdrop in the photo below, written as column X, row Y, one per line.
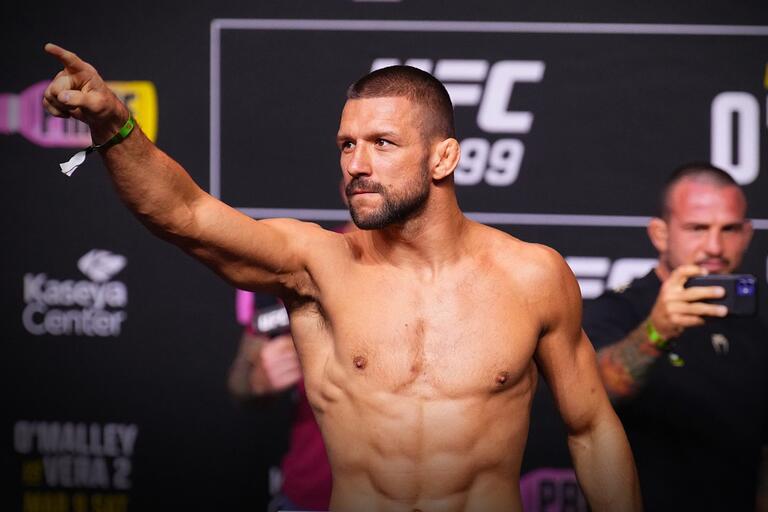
column 735, row 134
column 93, row 307
column 100, row 265
column 478, row 83
column 597, row 273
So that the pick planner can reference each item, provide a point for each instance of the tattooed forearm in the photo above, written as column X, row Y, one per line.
column 624, row 365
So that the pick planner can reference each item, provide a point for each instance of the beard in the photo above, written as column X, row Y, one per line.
column 396, row 208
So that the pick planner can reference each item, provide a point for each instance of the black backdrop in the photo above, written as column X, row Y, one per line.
column 114, row 365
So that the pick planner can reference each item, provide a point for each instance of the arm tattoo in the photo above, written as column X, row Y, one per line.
column 625, row 364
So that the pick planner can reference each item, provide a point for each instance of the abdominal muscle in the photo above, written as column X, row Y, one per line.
column 426, row 447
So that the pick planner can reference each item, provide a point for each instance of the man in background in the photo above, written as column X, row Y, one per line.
column 688, row 380
column 266, row 368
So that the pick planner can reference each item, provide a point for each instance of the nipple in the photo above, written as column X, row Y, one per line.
column 502, row 378
column 360, row 362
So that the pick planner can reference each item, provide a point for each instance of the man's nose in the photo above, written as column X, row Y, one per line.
column 714, row 242
column 359, row 162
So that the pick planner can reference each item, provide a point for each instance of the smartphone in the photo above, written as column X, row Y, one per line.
column 740, row 291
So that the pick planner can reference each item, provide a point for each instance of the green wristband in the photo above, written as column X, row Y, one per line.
column 69, row 167
column 656, row 339
column 121, row 134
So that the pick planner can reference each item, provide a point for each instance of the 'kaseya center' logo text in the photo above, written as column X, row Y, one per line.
column 72, row 307
column 496, row 157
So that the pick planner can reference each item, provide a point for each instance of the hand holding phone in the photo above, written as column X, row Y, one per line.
column 678, row 308
column 740, row 291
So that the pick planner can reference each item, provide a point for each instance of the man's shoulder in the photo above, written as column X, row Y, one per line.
column 529, row 264
column 510, row 248
column 498, row 239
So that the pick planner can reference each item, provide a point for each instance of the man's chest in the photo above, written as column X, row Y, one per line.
column 460, row 334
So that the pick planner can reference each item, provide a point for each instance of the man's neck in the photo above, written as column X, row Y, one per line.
column 428, row 241
column 662, row 271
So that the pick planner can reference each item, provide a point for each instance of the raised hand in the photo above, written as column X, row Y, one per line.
column 274, row 365
column 78, row 91
column 678, row 308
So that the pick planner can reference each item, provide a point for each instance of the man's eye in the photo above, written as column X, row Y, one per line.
column 383, row 142
column 347, row 144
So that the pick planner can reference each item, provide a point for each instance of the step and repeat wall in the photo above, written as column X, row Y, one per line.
column 115, row 345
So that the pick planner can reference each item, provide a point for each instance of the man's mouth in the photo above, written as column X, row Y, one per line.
column 714, row 264
column 358, row 188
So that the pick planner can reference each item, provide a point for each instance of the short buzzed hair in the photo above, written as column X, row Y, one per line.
column 698, row 171
column 419, row 87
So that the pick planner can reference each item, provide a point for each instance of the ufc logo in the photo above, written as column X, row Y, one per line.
column 478, row 83
column 595, row 274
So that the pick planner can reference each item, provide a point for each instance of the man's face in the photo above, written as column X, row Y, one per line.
column 384, row 160
column 706, row 227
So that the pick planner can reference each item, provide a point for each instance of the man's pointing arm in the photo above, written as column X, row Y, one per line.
column 251, row 254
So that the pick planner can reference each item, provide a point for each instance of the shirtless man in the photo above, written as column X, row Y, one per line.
column 420, row 336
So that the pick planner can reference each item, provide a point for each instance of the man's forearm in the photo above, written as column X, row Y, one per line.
column 624, row 365
column 252, row 255
column 605, row 467
column 240, row 385
column 154, row 186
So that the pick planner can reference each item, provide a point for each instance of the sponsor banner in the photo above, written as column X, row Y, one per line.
column 24, row 113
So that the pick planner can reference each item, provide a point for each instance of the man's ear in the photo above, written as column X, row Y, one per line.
column 658, row 232
column 445, row 158
column 749, row 230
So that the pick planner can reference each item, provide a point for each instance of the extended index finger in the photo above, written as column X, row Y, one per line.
column 67, row 58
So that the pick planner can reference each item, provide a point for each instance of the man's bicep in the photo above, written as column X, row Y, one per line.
column 567, row 359
column 570, row 369
column 266, row 255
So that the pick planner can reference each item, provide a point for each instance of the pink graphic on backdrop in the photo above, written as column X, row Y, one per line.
column 244, row 308
column 551, row 490
column 24, row 113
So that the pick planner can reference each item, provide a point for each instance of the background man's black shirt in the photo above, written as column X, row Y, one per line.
column 696, row 431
